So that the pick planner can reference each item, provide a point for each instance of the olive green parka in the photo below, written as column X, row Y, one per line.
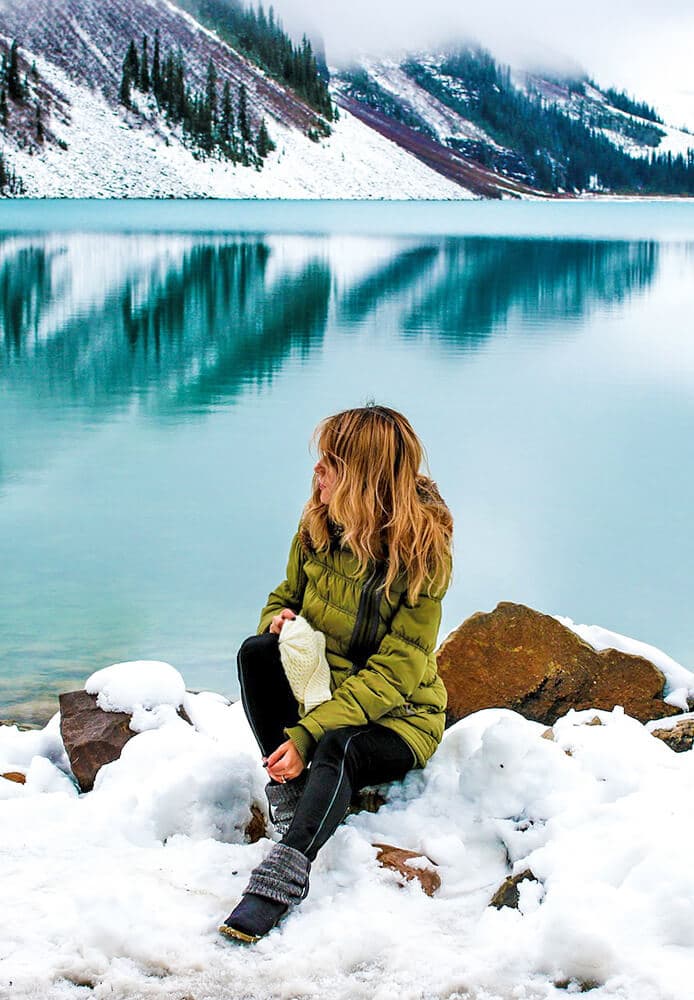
column 398, row 686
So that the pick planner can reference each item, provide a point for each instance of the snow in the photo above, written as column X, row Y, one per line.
column 118, row 892
column 136, row 685
column 445, row 122
column 114, row 154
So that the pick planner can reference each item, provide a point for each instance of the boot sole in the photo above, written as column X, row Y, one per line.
column 231, row 932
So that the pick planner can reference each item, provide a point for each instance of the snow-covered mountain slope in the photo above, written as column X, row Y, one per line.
column 500, row 130
column 95, row 147
column 88, row 40
column 111, row 154
column 637, row 135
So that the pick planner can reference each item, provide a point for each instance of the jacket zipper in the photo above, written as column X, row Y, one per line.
column 366, row 625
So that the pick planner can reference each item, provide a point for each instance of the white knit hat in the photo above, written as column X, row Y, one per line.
column 302, row 651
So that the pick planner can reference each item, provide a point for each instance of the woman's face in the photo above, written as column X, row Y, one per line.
column 327, row 477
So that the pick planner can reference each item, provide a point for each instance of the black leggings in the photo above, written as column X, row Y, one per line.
column 344, row 760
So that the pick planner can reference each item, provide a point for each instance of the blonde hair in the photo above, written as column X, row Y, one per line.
column 386, row 509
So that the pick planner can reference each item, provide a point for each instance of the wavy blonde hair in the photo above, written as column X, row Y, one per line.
column 384, row 509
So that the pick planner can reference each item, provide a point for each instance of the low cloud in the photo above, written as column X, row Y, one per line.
column 624, row 43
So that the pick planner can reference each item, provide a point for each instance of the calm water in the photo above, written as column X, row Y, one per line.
column 159, row 386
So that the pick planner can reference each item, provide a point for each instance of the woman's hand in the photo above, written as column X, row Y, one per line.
column 279, row 620
column 284, row 762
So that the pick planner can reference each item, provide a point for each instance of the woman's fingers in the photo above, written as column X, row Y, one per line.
column 286, row 614
column 278, row 753
column 285, row 762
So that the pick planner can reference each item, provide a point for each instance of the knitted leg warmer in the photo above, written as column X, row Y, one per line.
column 283, row 800
column 282, row 876
column 280, row 881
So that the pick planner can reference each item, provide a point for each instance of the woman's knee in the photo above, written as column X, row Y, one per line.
column 255, row 651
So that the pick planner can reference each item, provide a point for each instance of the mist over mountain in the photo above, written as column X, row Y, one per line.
column 636, row 46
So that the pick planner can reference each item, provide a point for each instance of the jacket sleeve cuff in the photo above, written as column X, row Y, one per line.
column 302, row 740
column 265, row 623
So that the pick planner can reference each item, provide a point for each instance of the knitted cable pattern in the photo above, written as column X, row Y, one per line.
column 302, row 651
column 282, row 875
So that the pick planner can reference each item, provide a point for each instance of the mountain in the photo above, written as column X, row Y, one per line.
column 89, row 144
column 463, row 113
column 208, row 98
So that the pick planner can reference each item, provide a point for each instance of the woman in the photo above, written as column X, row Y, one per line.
column 368, row 567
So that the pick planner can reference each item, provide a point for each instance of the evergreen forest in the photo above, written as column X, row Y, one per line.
column 212, row 118
column 261, row 38
column 560, row 153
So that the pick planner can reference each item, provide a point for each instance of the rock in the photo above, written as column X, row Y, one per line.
column 92, row 737
column 15, row 776
column 679, row 738
column 256, row 828
column 507, row 894
column 518, row 658
column 23, row 727
column 396, row 858
column 367, row 799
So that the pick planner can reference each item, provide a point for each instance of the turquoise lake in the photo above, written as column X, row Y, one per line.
column 163, row 365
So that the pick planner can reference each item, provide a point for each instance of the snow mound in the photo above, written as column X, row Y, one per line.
column 121, row 890
column 136, row 686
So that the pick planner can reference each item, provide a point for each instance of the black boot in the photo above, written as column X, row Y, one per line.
column 280, row 881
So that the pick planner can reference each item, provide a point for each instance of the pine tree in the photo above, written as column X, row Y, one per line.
column 39, row 123
column 156, row 68
column 226, row 124
column 10, row 183
column 167, row 83
column 211, row 91
column 264, row 143
column 14, row 85
column 124, row 94
column 4, row 110
column 144, row 68
column 242, row 115
column 133, row 64
column 180, row 94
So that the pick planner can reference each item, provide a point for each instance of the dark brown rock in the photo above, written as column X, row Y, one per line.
column 396, row 858
column 15, row 776
column 92, row 737
column 367, row 799
column 518, row 658
column 679, row 738
column 256, row 828
column 507, row 894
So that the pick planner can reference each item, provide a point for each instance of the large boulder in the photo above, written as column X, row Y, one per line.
column 518, row 658
column 91, row 736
